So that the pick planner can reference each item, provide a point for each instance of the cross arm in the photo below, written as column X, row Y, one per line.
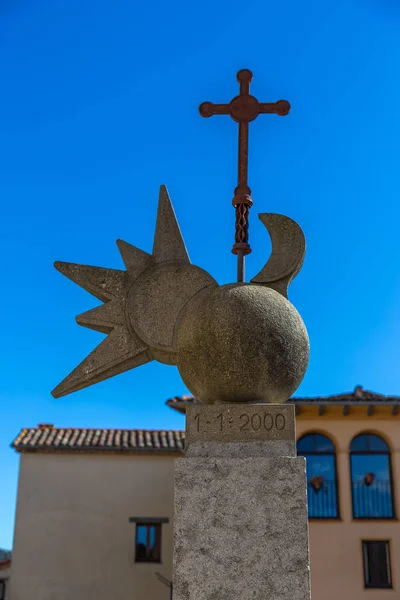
column 281, row 108
column 208, row 109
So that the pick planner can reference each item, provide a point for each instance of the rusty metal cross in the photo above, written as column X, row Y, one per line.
column 243, row 109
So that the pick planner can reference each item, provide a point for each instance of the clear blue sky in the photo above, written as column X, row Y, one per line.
column 99, row 107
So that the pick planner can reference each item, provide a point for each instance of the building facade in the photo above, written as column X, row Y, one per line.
column 94, row 513
column 5, row 571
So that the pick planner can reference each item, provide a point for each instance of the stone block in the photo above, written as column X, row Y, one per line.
column 240, row 430
column 241, row 529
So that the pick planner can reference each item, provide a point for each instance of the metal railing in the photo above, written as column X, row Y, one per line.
column 322, row 500
column 373, row 501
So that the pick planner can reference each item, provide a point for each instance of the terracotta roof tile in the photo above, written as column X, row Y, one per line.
column 48, row 438
column 359, row 394
column 123, row 440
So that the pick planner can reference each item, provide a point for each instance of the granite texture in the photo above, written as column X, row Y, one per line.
column 241, row 529
column 254, row 449
column 242, row 343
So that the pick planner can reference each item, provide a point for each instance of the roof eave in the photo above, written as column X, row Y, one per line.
column 96, row 450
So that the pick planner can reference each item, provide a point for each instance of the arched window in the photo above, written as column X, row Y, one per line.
column 371, row 477
column 322, row 489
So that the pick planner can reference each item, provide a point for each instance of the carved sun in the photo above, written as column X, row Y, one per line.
column 141, row 305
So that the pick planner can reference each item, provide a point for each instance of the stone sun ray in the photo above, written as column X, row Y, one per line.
column 103, row 318
column 135, row 260
column 102, row 283
column 168, row 241
column 119, row 352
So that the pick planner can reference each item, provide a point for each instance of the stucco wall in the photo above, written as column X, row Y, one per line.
column 73, row 540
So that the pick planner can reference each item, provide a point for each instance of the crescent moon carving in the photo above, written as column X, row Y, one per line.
column 288, row 252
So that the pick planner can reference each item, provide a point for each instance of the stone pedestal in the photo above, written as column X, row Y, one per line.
column 240, row 524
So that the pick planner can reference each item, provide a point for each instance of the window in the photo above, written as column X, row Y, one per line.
column 148, row 538
column 376, row 559
column 371, row 478
column 148, row 542
column 2, row 589
column 322, row 489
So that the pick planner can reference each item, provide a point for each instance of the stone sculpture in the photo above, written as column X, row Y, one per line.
column 240, row 519
column 242, row 342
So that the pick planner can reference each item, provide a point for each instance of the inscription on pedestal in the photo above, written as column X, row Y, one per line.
column 239, row 422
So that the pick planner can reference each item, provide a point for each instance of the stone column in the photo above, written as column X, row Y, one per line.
column 240, row 524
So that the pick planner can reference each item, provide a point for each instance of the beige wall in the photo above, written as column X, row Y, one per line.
column 335, row 547
column 72, row 538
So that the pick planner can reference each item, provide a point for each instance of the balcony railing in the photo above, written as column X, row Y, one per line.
column 373, row 501
column 322, row 501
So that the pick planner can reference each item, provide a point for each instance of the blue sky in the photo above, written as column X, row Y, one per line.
column 99, row 107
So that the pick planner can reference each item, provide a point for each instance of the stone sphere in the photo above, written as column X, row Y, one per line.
column 241, row 343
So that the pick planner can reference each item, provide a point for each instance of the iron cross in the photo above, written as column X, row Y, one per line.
column 243, row 109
